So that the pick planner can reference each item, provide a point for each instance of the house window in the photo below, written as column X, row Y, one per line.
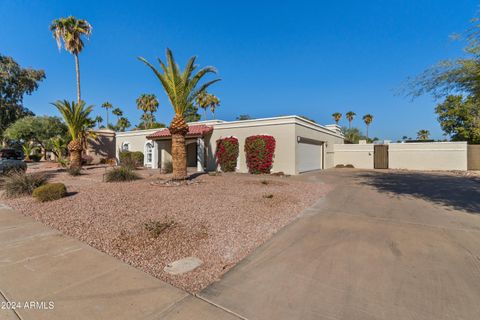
column 126, row 146
column 149, row 152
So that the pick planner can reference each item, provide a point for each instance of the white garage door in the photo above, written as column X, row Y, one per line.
column 309, row 155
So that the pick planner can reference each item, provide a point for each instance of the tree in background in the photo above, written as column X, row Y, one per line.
column 70, row 31
column 350, row 115
column 15, row 82
column 423, row 134
column 148, row 103
column 368, row 118
column 191, row 114
column 337, row 116
column 28, row 148
column 107, row 105
column 117, row 112
column 79, row 124
column 99, row 121
column 206, row 101
column 244, row 117
column 122, row 124
column 354, row 135
column 214, row 103
column 182, row 89
column 459, row 117
column 39, row 131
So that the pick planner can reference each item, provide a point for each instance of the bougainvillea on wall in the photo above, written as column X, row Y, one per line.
column 260, row 151
column 227, row 153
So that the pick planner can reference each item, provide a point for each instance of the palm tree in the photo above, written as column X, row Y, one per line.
column 77, row 119
column 98, row 120
column 350, row 115
column 148, row 103
column 423, row 134
column 337, row 116
column 123, row 124
column 202, row 101
column 107, row 105
column 214, row 103
column 118, row 112
column 70, row 30
column 28, row 149
column 182, row 88
column 368, row 118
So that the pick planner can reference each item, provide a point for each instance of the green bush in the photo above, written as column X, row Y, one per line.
column 35, row 157
column 121, row 174
column 130, row 159
column 50, row 191
column 19, row 183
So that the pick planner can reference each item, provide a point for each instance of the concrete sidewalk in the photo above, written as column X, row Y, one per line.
column 40, row 265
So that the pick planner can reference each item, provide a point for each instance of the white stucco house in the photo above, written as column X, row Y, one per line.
column 301, row 145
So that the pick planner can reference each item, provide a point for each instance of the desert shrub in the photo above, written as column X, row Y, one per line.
column 155, row 228
column 130, row 159
column 259, row 152
column 227, row 153
column 167, row 167
column 121, row 174
column 50, row 191
column 35, row 157
column 19, row 183
column 74, row 171
column 87, row 159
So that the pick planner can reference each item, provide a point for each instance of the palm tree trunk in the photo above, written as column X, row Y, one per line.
column 75, row 148
column 367, row 132
column 179, row 157
column 349, row 124
column 205, row 113
column 77, row 69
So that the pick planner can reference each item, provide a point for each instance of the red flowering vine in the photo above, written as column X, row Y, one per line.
column 259, row 152
column 227, row 153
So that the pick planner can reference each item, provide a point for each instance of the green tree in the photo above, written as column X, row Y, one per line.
column 99, row 121
column 37, row 130
column 107, row 105
column 182, row 89
column 123, row 124
column 337, row 116
column 70, row 31
column 191, row 114
column 79, row 124
column 15, row 83
column 459, row 117
column 148, row 103
column 206, row 101
column 368, row 118
column 350, row 115
column 244, row 117
column 28, row 148
column 423, row 134
column 117, row 112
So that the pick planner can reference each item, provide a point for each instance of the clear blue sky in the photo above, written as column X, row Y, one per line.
column 308, row 58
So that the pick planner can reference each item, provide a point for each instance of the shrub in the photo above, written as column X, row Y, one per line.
column 87, row 159
column 121, row 174
column 227, row 153
column 74, row 171
column 35, row 157
column 50, row 191
column 167, row 167
column 157, row 227
column 259, row 152
column 19, row 183
column 130, row 159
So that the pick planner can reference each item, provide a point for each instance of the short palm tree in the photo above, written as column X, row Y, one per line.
column 77, row 119
column 107, row 105
column 423, row 134
column 98, row 120
column 28, row 149
column 337, row 116
column 182, row 88
column 368, row 118
column 117, row 112
column 70, row 31
column 350, row 115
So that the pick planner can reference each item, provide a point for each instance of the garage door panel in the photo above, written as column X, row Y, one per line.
column 310, row 157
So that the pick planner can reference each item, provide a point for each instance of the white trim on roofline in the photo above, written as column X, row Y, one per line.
column 137, row 132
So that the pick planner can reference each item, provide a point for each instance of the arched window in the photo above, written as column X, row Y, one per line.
column 148, row 153
column 126, row 146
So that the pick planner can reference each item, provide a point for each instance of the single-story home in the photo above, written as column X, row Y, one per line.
column 301, row 145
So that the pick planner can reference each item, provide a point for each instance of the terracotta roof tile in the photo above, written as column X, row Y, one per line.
column 195, row 130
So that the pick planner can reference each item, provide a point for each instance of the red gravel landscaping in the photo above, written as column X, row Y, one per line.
column 218, row 219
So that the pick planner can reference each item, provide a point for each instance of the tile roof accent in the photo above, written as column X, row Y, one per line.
column 194, row 130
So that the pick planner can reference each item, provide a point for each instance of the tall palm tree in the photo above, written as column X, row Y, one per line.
column 98, row 120
column 181, row 88
column 117, row 112
column 350, row 115
column 214, row 103
column 70, row 31
column 77, row 119
column 337, row 116
column 202, row 101
column 107, row 105
column 148, row 103
column 423, row 134
column 368, row 118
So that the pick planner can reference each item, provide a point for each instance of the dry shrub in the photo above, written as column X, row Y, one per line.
column 19, row 183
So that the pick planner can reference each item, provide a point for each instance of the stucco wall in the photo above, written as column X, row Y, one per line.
column 428, row 156
column 284, row 136
column 309, row 130
column 102, row 146
column 358, row 155
column 137, row 139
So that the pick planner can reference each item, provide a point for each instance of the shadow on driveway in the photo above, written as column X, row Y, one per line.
column 459, row 192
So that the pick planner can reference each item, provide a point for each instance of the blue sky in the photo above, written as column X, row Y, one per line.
column 310, row 58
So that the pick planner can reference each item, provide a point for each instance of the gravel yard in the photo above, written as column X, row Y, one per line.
column 218, row 219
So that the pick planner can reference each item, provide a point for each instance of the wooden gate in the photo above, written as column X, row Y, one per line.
column 380, row 156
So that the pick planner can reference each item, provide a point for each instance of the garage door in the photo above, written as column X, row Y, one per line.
column 310, row 154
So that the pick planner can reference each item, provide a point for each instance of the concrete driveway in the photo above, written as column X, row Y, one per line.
column 381, row 245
